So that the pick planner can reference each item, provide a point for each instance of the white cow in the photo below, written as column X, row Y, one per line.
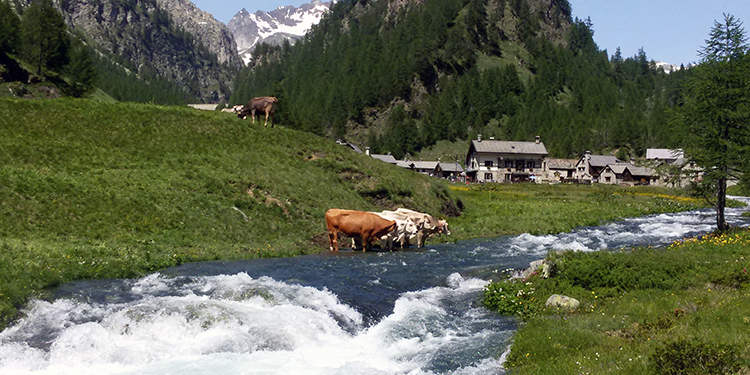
column 427, row 225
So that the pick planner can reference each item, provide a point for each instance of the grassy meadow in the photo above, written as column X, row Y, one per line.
column 93, row 189
column 108, row 190
column 683, row 309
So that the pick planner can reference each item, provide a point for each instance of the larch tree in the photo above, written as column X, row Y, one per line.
column 716, row 111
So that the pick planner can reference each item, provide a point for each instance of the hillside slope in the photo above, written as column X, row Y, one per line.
column 399, row 76
column 153, row 186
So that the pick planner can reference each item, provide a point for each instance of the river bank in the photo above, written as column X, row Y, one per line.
column 675, row 309
column 88, row 195
column 411, row 311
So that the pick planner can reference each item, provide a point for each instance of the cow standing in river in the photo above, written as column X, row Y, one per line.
column 262, row 104
column 364, row 227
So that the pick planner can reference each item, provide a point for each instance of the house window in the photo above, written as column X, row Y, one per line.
column 508, row 177
column 509, row 164
column 530, row 164
column 488, row 176
column 488, row 163
column 519, row 165
column 607, row 179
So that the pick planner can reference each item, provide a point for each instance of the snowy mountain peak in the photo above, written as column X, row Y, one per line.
column 286, row 22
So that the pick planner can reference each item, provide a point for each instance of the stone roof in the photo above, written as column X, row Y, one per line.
column 620, row 168
column 641, row 171
column 451, row 167
column 601, row 160
column 664, row 153
column 386, row 158
column 430, row 165
column 561, row 163
column 509, row 147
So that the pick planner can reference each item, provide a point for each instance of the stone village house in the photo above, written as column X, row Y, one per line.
column 504, row 161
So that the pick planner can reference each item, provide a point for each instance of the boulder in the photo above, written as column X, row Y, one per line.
column 562, row 302
column 541, row 267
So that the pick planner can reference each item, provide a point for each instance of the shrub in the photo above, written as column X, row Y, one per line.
column 687, row 357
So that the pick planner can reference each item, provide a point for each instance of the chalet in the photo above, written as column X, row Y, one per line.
column 628, row 174
column 430, row 168
column 558, row 170
column 590, row 167
column 452, row 171
column 504, row 161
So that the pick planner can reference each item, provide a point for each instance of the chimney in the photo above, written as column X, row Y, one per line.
column 479, row 138
column 367, row 151
column 537, row 139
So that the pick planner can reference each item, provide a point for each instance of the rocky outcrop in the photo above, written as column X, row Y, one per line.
column 212, row 33
column 171, row 39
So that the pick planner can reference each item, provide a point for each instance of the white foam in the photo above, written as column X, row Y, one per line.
column 236, row 325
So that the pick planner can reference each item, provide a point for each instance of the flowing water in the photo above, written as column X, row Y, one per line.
column 406, row 312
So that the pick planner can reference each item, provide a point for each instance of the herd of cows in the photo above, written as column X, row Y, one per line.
column 402, row 227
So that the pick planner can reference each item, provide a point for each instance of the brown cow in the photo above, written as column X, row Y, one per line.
column 261, row 104
column 366, row 226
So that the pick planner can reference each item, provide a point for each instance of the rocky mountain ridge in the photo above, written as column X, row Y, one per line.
column 171, row 40
column 284, row 23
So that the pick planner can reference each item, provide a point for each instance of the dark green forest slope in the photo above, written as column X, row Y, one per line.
column 400, row 76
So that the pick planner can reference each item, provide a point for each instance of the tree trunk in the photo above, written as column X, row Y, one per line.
column 721, row 203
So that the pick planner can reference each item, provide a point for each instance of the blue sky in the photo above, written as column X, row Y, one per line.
column 668, row 30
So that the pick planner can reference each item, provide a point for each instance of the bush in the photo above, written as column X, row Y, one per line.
column 623, row 270
column 695, row 357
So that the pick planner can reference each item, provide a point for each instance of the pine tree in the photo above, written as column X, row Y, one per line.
column 9, row 25
column 44, row 36
column 716, row 110
column 80, row 70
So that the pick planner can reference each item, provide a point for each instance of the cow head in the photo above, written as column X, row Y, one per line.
column 444, row 228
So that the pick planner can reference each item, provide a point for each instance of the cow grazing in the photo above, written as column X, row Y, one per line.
column 364, row 226
column 263, row 104
column 426, row 225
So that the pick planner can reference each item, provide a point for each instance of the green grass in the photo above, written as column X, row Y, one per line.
column 499, row 209
column 676, row 310
column 90, row 189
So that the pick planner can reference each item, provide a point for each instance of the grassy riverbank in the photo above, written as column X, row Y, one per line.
column 113, row 190
column 676, row 310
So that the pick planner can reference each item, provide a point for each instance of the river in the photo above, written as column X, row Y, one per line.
column 407, row 312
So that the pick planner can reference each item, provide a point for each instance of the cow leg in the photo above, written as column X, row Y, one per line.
column 357, row 243
column 420, row 239
column 268, row 113
column 333, row 240
column 252, row 111
column 366, row 242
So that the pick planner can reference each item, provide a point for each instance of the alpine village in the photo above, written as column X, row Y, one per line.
column 140, row 137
